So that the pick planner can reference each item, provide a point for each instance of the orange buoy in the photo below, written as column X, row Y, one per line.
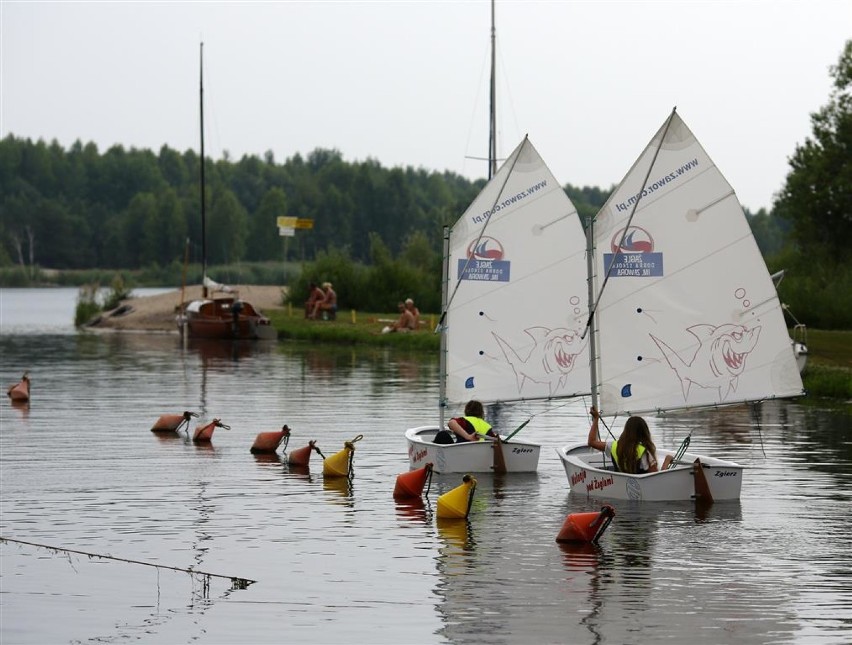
column 172, row 422
column 302, row 456
column 411, row 484
column 266, row 442
column 20, row 391
column 586, row 527
column 340, row 463
column 204, row 434
column 456, row 503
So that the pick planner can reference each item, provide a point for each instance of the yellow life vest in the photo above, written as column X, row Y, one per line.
column 640, row 450
column 480, row 426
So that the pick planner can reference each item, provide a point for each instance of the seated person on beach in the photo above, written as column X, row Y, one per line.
column 415, row 312
column 405, row 322
column 315, row 295
column 471, row 427
column 328, row 303
column 633, row 452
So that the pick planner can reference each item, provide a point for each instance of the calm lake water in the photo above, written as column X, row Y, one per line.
column 341, row 562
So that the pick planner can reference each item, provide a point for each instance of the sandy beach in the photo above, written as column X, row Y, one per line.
column 158, row 313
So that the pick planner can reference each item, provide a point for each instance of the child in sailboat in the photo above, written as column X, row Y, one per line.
column 471, row 427
column 633, row 452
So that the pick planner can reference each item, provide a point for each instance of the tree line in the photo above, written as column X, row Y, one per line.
column 129, row 209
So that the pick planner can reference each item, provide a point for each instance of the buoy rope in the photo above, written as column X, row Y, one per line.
column 238, row 583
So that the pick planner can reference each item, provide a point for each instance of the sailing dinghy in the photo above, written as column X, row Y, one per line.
column 685, row 315
column 513, row 311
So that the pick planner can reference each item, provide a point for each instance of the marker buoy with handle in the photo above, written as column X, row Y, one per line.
column 204, row 434
column 411, row 484
column 20, row 391
column 172, row 422
column 586, row 527
column 267, row 442
column 340, row 463
column 302, row 456
column 455, row 504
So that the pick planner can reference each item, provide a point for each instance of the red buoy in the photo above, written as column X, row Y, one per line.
column 267, row 442
column 302, row 456
column 411, row 484
column 204, row 434
column 172, row 422
column 586, row 527
column 20, row 391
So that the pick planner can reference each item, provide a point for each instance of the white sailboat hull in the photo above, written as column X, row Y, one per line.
column 467, row 457
column 588, row 476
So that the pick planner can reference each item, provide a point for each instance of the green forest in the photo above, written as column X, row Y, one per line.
column 130, row 210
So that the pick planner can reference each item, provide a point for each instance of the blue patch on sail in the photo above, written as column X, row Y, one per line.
column 469, row 383
column 625, row 391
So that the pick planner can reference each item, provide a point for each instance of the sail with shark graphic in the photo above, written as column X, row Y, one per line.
column 688, row 315
column 516, row 289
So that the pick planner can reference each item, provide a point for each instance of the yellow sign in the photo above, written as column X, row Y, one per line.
column 304, row 223
column 286, row 222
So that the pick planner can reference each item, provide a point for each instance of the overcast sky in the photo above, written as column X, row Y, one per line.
column 406, row 83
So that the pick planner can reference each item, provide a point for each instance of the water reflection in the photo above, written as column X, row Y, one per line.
column 341, row 487
column 414, row 510
column 356, row 558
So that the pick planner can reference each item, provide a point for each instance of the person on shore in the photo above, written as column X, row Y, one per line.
column 315, row 295
column 404, row 323
column 328, row 305
column 633, row 452
column 470, row 427
column 415, row 313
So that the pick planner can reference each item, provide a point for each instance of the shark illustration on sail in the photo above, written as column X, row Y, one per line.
column 551, row 359
column 718, row 361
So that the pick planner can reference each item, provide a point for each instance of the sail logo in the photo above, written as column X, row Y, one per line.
column 632, row 255
column 484, row 262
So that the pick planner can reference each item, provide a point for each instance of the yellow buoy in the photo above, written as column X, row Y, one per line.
column 340, row 464
column 456, row 503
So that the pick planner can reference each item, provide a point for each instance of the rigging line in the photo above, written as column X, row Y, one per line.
column 481, row 232
column 243, row 582
column 594, row 306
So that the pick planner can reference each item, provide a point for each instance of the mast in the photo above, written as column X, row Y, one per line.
column 590, row 269
column 445, row 289
column 492, row 125
column 203, row 200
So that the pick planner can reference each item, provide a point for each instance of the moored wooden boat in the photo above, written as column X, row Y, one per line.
column 226, row 318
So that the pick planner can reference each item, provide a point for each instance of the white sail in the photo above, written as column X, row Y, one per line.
column 517, row 290
column 689, row 315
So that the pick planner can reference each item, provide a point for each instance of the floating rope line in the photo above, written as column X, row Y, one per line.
column 236, row 583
